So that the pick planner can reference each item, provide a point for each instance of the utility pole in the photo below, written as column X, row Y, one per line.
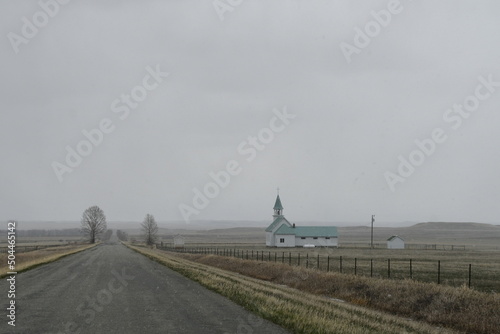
column 373, row 219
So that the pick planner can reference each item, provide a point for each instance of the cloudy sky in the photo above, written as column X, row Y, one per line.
column 350, row 108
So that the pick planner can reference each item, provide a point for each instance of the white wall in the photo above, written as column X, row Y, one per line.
column 289, row 240
column 270, row 239
column 396, row 244
column 320, row 242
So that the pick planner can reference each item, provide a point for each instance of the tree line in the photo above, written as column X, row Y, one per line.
column 94, row 226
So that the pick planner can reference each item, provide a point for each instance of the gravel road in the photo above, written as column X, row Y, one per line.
column 111, row 289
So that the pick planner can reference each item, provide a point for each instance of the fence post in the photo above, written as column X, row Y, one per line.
column 411, row 269
column 371, row 267
column 307, row 260
column 470, row 274
column 289, row 258
column 355, row 266
column 388, row 268
column 439, row 271
column 317, row 264
column 328, row 263
column 298, row 260
column 340, row 262
column 283, row 257
column 269, row 256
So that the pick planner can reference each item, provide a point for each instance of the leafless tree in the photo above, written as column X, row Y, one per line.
column 150, row 229
column 93, row 223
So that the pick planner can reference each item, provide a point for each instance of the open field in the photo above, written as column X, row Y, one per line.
column 298, row 311
column 470, row 235
column 445, row 267
column 25, row 261
column 438, row 252
column 42, row 241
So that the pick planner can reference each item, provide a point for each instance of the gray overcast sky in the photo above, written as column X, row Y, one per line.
column 353, row 119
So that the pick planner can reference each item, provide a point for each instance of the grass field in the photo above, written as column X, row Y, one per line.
column 28, row 260
column 42, row 241
column 296, row 310
column 453, row 265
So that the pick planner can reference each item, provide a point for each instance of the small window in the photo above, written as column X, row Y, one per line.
column 327, row 238
column 282, row 240
column 315, row 238
column 303, row 238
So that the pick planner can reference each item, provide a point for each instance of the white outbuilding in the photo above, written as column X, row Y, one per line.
column 395, row 242
column 179, row 241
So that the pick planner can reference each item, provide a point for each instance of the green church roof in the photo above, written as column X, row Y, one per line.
column 308, row 231
column 276, row 222
column 277, row 205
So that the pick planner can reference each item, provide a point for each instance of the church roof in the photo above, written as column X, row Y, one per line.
column 277, row 205
column 276, row 222
column 308, row 231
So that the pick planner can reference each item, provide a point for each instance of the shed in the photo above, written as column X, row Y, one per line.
column 178, row 241
column 395, row 242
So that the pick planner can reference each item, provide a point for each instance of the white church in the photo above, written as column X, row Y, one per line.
column 283, row 234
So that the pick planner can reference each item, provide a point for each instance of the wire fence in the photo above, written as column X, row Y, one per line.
column 437, row 271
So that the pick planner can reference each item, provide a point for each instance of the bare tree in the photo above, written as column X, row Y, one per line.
column 150, row 229
column 93, row 223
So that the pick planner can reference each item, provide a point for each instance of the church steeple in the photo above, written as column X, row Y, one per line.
column 278, row 208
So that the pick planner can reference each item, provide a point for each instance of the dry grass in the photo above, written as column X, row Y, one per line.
column 454, row 264
column 461, row 309
column 29, row 260
column 296, row 310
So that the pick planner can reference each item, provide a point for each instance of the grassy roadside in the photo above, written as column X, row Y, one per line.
column 298, row 311
column 30, row 260
column 460, row 309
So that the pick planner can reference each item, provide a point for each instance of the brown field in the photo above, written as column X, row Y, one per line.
column 28, row 260
column 454, row 265
column 457, row 245
column 460, row 309
column 470, row 235
column 42, row 241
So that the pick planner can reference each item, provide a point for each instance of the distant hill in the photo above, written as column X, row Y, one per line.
column 466, row 233
column 429, row 233
column 451, row 225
